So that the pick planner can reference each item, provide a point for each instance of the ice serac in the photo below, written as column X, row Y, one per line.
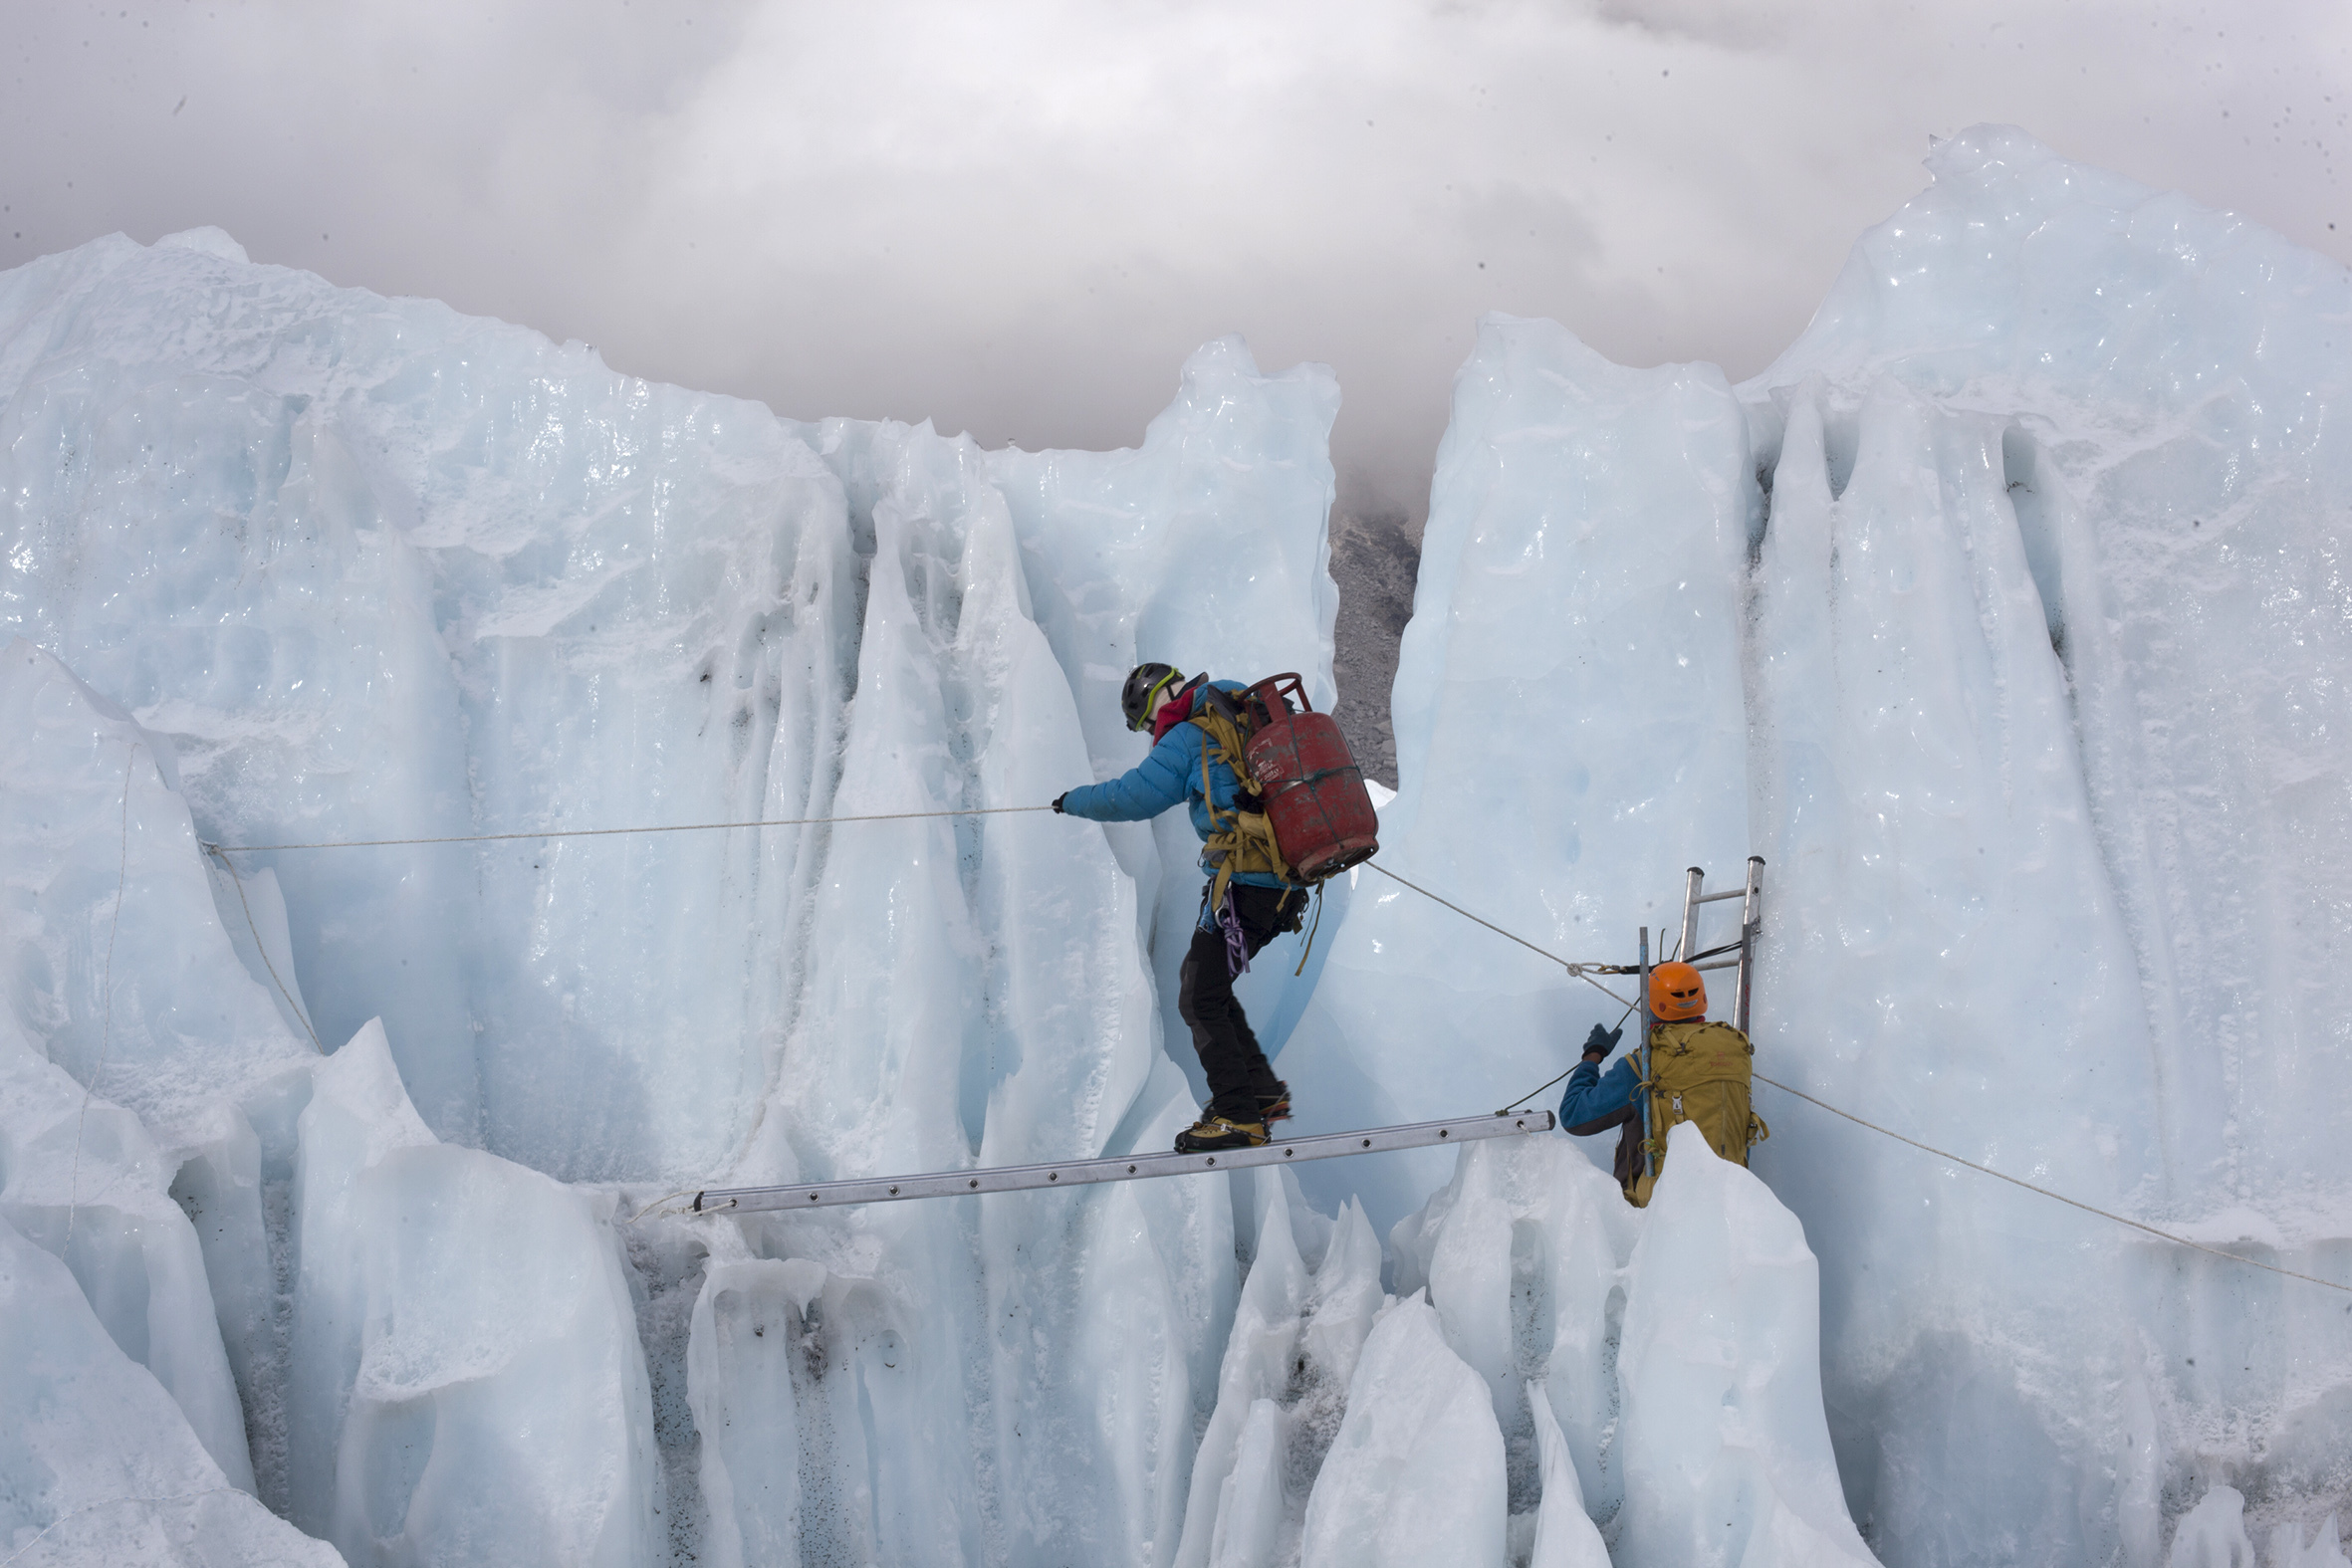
column 1300, row 1325
column 2212, row 1534
column 967, row 984
column 383, row 571
column 1523, row 1256
column 2027, row 608
column 1415, row 1472
column 745, row 1407
column 122, row 970
column 469, row 1385
column 1654, row 1375
column 1564, row 1536
column 378, row 572
column 1207, row 547
column 150, row 1080
column 970, row 989
column 2162, row 378
column 1726, row 1449
column 98, row 1464
column 1570, row 734
column 1917, row 758
column 83, row 1181
column 2052, row 583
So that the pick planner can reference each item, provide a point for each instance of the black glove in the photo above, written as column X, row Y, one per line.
column 1601, row 1041
column 1057, row 800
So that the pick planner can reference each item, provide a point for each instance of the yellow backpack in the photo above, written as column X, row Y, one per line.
column 1699, row 1073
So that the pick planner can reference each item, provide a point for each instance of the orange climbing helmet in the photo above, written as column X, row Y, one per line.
column 1677, row 991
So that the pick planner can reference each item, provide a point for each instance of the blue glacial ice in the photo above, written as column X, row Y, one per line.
column 102, row 1466
column 2003, row 615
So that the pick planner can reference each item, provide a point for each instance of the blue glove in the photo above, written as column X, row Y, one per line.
column 1601, row 1041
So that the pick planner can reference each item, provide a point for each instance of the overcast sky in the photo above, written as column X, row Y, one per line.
column 1016, row 219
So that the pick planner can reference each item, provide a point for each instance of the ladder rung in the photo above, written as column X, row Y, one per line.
column 1729, row 963
column 1716, row 898
column 1130, row 1168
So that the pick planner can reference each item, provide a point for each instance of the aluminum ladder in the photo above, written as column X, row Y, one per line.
column 1744, row 960
column 1120, row 1168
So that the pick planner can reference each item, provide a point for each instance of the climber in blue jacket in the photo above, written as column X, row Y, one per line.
column 1594, row 1102
column 1257, row 903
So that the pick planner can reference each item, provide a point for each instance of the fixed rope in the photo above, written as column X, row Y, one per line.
column 612, row 833
column 2072, row 1203
column 263, row 948
column 1579, row 971
column 63, row 1519
column 1942, row 1154
column 1513, row 1105
column 1583, row 971
column 105, row 1035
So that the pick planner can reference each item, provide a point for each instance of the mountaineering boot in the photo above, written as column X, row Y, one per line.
column 1275, row 1107
column 1213, row 1133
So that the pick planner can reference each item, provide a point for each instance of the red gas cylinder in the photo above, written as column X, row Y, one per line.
column 1315, row 800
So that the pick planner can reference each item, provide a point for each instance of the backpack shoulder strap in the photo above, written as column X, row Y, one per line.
column 1226, row 739
column 1216, row 701
column 1240, row 839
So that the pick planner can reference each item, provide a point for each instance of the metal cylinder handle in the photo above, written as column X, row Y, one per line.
column 1287, row 687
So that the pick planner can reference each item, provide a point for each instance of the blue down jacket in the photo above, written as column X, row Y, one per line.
column 1598, row 1101
column 1169, row 776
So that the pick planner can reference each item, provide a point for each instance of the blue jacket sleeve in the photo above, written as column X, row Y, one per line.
column 1165, row 777
column 1596, row 1102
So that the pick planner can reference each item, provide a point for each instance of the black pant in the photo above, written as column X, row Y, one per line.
column 1239, row 1077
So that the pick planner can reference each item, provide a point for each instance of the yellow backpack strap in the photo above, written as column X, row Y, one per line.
column 1226, row 745
column 1307, row 946
column 1240, row 840
column 1645, row 1084
column 1224, row 877
column 1215, row 747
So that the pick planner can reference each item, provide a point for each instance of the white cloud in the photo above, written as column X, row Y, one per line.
column 1018, row 219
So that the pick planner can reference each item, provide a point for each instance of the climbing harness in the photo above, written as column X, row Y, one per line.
column 1237, row 941
column 1307, row 948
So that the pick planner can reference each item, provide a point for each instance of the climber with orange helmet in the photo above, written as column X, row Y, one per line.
column 1698, row 1073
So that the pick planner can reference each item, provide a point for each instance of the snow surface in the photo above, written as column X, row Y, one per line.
column 2003, row 616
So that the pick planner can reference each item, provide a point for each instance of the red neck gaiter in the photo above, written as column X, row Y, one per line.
column 1176, row 708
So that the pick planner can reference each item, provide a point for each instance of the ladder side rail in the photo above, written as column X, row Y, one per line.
column 1119, row 1168
column 1641, row 1093
column 1751, row 926
column 1689, row 943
